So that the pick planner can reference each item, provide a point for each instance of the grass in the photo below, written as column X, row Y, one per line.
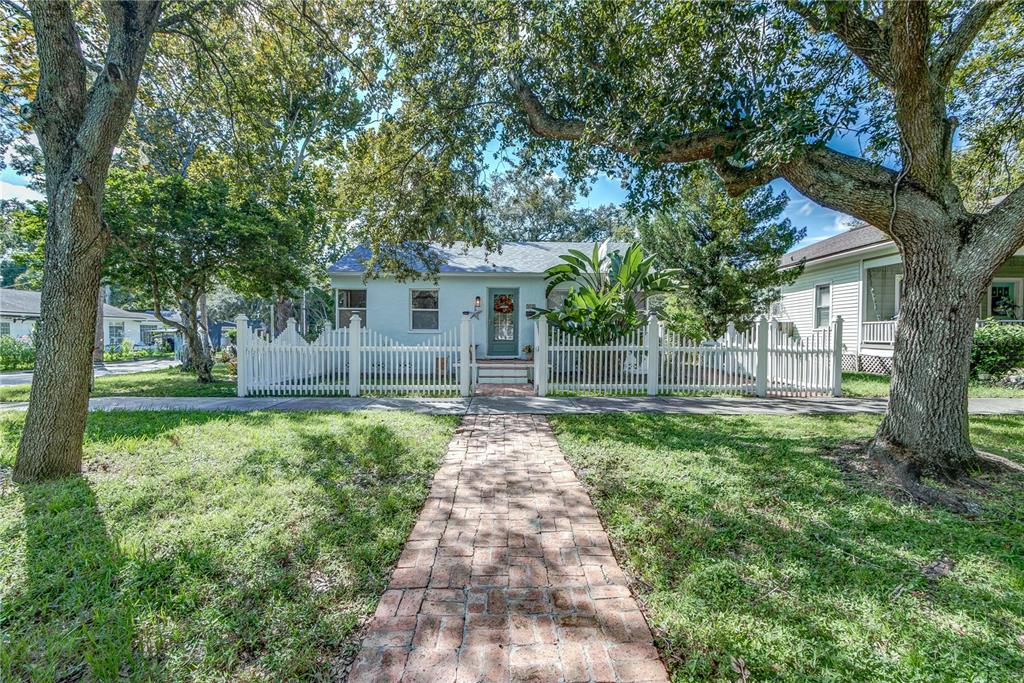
column 746, row 543
column 208, row 546
column 863, row 384
column 164, row 382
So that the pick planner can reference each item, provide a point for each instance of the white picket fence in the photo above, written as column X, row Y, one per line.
column 760, row 361
column 350, row 361
column 649, row 361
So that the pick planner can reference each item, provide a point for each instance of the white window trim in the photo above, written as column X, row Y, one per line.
column 1018, row 284
column 338, row 308
column 8, row 332
column 815, row 307
column 110, row 335
column 424, row 330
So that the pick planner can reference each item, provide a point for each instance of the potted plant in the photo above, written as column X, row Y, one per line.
column 528, row 350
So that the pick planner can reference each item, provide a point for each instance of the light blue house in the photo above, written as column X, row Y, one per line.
column 498, row 289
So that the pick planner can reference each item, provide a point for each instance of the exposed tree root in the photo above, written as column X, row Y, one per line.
column 990, row 462
column 896, row 463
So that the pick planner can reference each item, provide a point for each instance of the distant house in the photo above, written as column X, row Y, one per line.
column 19, row 313
column 858, row 275
column 497, row 289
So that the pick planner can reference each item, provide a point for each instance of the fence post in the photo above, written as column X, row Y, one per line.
column 355, row 355
column 761, row 370
column 837, row 356
column 242, row 363
column 540, row 356
column 464, row 358
column 653, row 354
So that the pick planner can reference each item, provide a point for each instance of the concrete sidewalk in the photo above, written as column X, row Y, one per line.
column 22, row 377
column 496, row 405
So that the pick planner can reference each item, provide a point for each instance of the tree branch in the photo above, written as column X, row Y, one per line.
column 861, row 36
column 998, row 234
column 960, row 40
column 863, row 190
column 687, row 148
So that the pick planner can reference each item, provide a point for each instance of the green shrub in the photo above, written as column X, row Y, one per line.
column 16, row 354
column 997, row 349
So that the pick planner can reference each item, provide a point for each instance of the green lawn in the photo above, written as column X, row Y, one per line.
column 166, row 382
column 864, row 384
column 745, row 542
column 208, row 546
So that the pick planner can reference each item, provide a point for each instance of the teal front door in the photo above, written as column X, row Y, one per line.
column 502, row 322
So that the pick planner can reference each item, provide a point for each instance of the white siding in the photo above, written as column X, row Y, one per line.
column 798, row 299
column 19, row 326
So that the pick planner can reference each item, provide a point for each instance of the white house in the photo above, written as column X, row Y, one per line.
column 498, row 289
column 19, row 313
column 858, row 275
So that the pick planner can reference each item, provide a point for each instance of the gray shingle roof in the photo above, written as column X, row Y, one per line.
column 863, row 235
column 514, row 257
column 21, row 302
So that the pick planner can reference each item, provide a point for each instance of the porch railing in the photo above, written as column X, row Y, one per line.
column 881, row 332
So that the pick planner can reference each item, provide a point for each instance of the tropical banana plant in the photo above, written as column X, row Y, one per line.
column 606, row 287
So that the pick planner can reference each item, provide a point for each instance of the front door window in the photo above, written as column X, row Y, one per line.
column 504, row 314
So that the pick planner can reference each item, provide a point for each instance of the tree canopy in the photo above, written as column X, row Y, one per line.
column 726, row 251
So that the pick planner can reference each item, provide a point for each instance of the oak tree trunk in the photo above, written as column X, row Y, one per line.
column 284, row 308
column 925, row 430
column 197, row 356
column 51, row 443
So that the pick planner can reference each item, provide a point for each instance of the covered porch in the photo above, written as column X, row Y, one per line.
column 882, row 288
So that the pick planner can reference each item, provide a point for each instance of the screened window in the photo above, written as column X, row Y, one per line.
column 5, row 329
column 115, row 334
column 822, row 305
column 351, row 302
column 146, row 333
column 424, row 309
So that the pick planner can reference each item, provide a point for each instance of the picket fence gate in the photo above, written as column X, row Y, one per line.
column 759, row 361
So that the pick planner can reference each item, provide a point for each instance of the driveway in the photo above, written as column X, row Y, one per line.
column 8, row 379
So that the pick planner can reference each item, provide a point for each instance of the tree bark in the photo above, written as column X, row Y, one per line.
column 78, row 125
column 284, row 308
column 925, row 430
column 51, row 443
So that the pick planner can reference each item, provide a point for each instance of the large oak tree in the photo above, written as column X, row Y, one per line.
column 643, row 89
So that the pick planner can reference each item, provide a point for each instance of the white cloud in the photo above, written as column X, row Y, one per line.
column 842, row 223
column 20, row 192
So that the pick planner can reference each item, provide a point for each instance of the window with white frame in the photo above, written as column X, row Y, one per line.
column 822, row 305
column 146, row 333
column 1004, row 299
column 5, row 329
column 424, row 309
column 350, row 302
column 115, row 334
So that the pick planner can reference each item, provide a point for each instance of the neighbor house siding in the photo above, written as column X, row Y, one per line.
column 798, row 299
column 19, row 327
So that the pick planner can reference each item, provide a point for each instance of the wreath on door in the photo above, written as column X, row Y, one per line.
column 503, row 304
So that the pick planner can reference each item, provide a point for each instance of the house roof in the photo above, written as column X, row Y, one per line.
column 21, row 302
column 513, row 257
column 857, row 237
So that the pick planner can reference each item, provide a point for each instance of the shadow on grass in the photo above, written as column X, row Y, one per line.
column 68, row 614
column 752, row 545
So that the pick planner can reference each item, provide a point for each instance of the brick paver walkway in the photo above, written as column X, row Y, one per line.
column 507, row 575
